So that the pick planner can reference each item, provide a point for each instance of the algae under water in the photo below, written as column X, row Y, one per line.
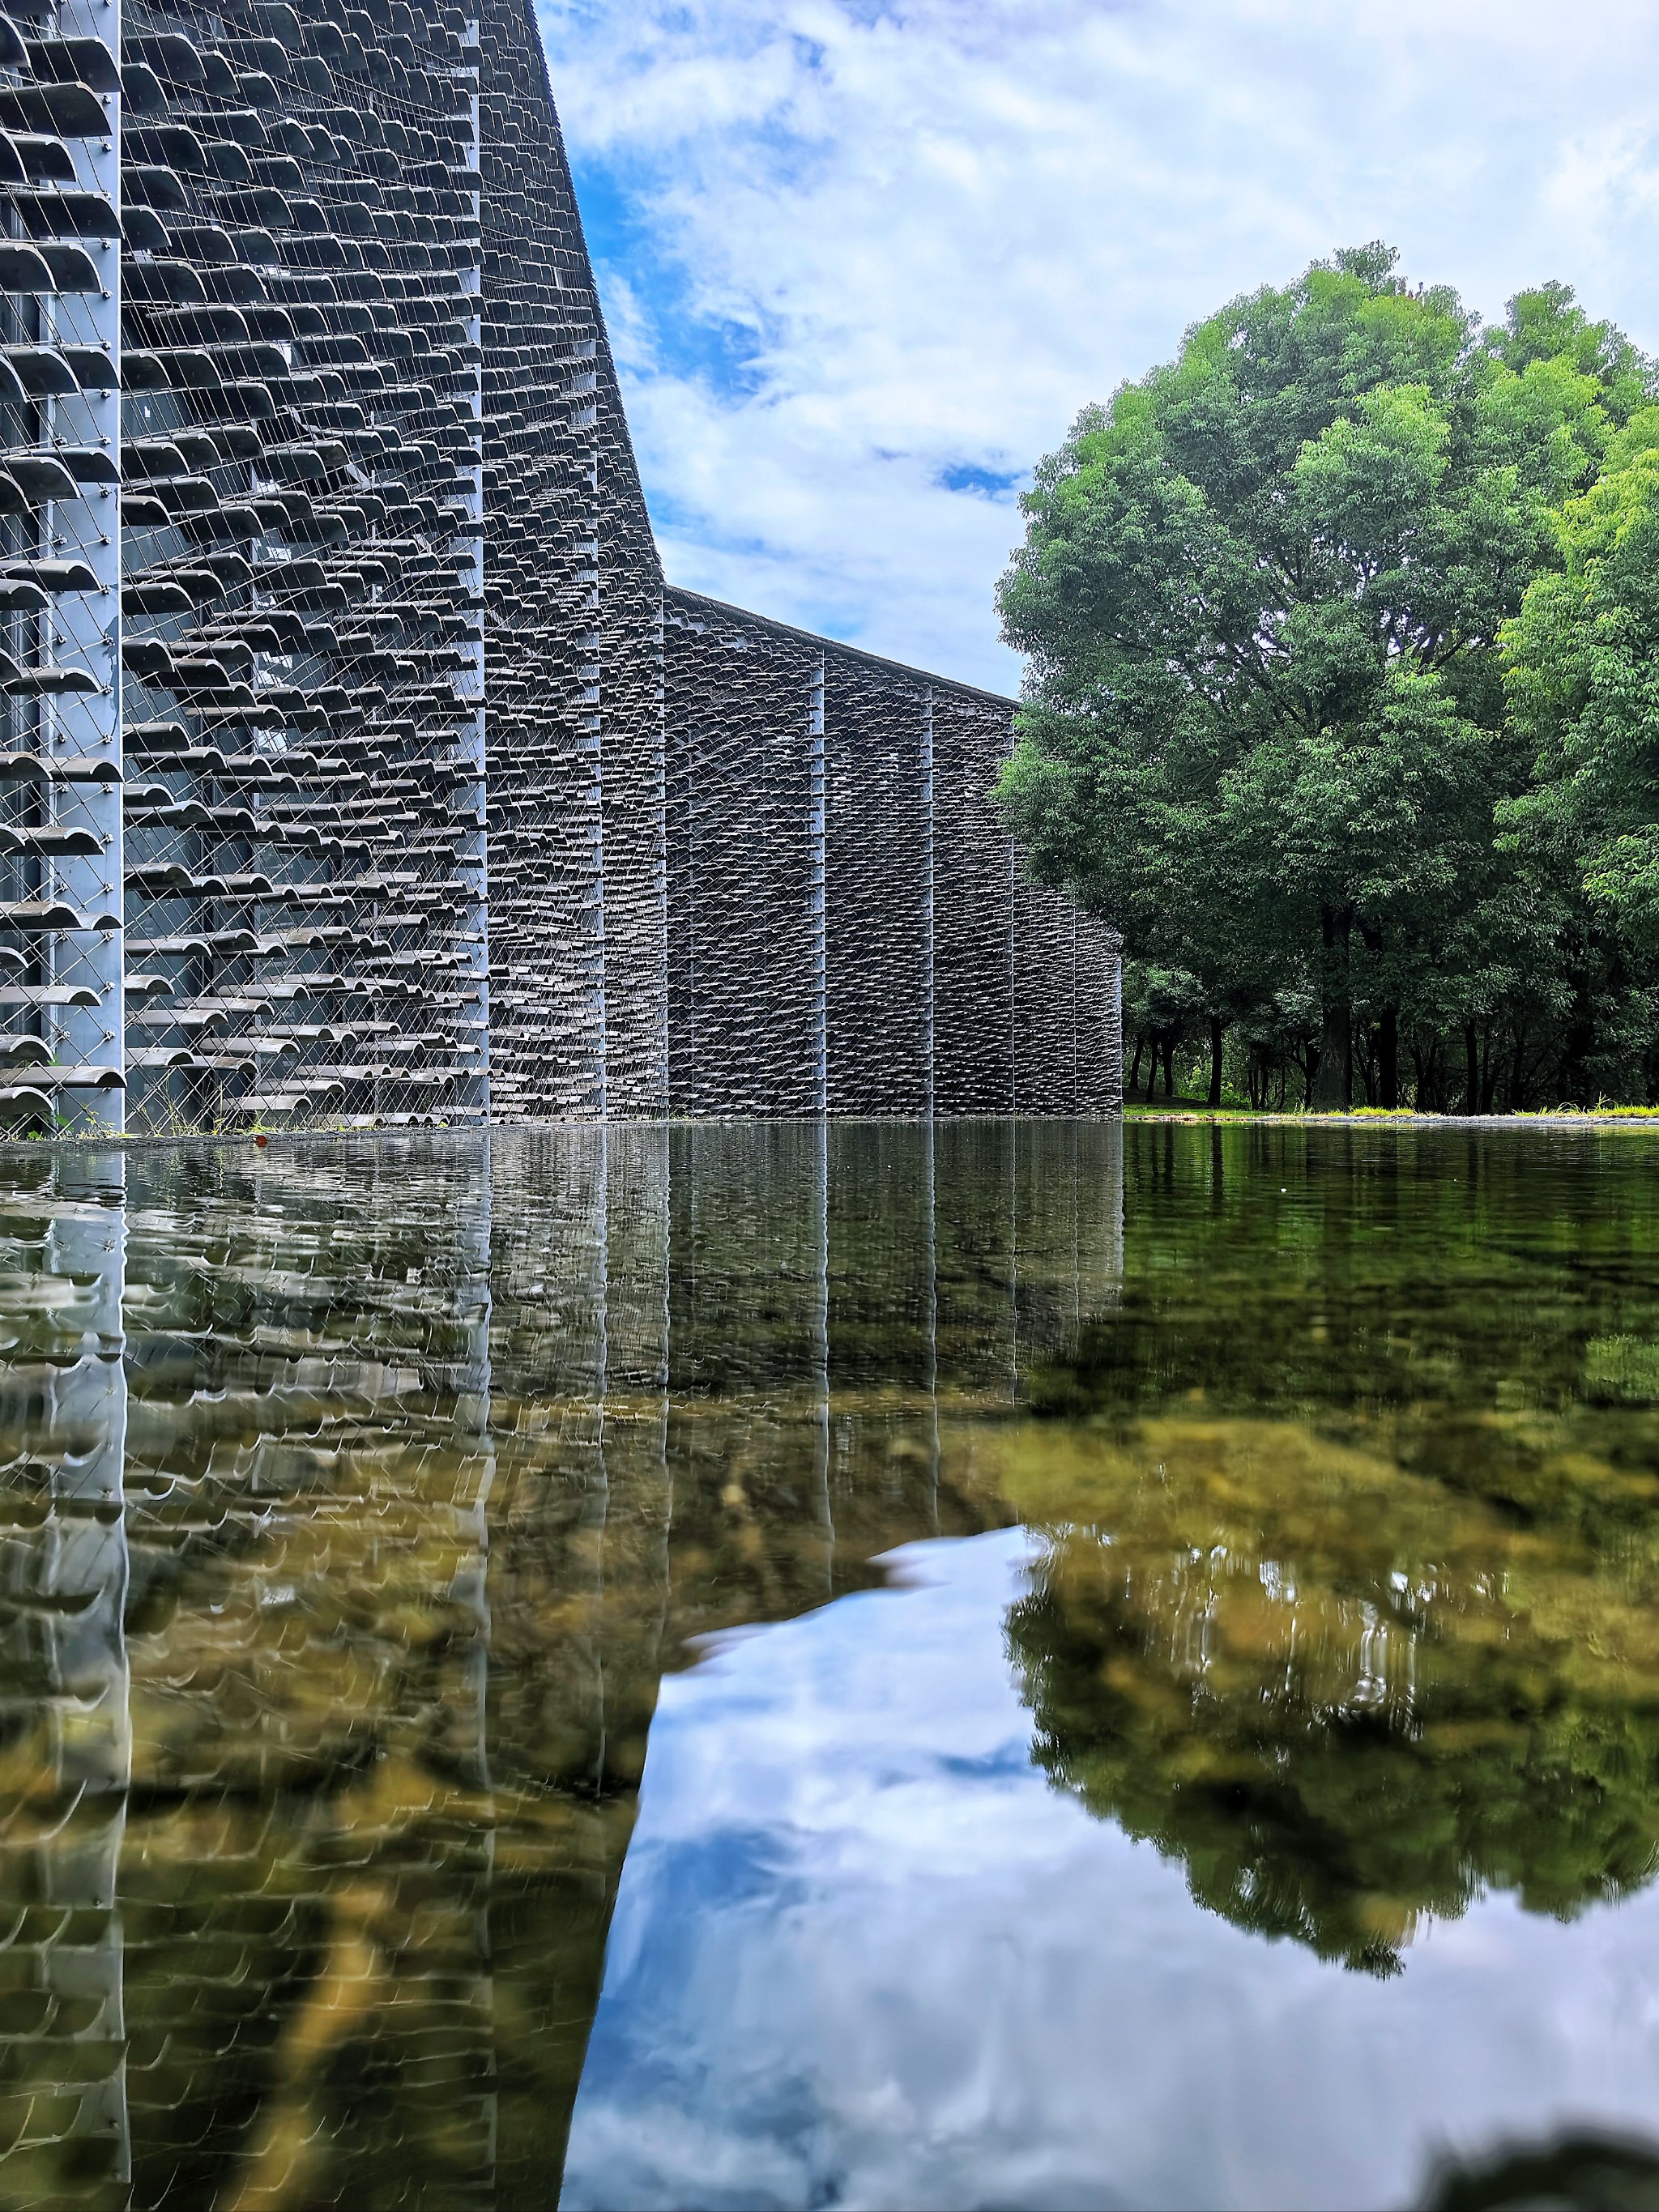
column 1009, row 1664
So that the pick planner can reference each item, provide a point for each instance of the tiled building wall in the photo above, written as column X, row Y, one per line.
column 878, row 881
column 300, row 448
column 541, row 557
column 633, row 770
column 746, row 866
column 357, row 767
column 849, row 929
column 575, row 726
column 974, row 877
column 61, row 1012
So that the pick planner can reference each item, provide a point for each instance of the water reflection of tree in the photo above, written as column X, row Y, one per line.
column 1343, row 1695
column 1351, row 1529
column 1585, row 2172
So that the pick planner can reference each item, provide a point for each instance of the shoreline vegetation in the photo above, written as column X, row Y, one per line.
column 1174, row 1111
column 1553, row 1117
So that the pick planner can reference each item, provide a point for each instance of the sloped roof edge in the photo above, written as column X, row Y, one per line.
column 694, row 602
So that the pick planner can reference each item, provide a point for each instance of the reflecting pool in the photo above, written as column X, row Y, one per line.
column 1014, row 1665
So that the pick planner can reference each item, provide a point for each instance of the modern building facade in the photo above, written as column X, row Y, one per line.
column 359, row 765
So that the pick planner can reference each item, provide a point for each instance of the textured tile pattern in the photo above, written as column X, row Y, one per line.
column 849, row 930
column 303, row 604
column 357, row 766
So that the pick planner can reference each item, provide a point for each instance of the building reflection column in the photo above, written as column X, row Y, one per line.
column 454, row 2049
column 883, row 1353
column 749, row 1348
column 1067, row 1193
column 1028, row 1242
column 305, row 1869
column 974, row 1218
column 580, row 1588
column 634, row 1562
column 818, row 1381
column 63, row 2128
column 847, row 1304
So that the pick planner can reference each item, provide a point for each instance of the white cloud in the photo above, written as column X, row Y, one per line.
column 942, row 225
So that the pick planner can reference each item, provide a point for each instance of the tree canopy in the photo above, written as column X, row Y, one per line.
column 1343, row 696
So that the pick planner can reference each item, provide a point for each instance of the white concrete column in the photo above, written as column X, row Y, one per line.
column 470, row 682
column 83, row 630
column 815, row 893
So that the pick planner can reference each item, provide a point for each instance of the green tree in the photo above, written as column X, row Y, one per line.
column 1582, row 670
column 1261, row 596
column 1162, row 1009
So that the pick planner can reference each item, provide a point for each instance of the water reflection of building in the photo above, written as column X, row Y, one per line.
column 435, row 1452
column 67, row 1746
column 304, row 1881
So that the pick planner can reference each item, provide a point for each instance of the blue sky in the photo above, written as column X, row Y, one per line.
column 863, row 260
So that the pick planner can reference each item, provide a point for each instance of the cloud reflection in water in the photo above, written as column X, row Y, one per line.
column 865, row 1956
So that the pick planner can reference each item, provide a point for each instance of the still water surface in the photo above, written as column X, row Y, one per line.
column 1030, row 1666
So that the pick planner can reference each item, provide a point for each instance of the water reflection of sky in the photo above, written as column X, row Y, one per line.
column 864, row 1956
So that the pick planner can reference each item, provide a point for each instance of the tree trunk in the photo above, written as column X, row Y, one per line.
column 1151, row 1068
column 1574, row 1077
column 1333, row 1089
column 1216, row 1036
column 1168, row 1064
column 1472, row 1072
column 1431, row 1093
column 1135, row 1065
column 1388, row 1053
